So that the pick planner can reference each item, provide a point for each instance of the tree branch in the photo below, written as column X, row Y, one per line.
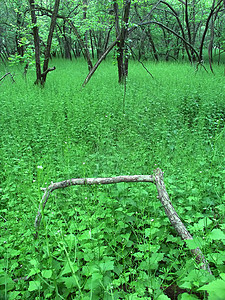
column 156, row 178
column 175, row 220
column 86, row 181
column 113, row 44
column 13, row 80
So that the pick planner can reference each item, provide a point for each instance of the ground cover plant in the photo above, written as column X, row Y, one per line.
column 112, row 242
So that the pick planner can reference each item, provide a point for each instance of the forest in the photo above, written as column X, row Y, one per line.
column 112, row 152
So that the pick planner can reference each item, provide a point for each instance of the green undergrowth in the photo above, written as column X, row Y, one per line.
column 112, row 242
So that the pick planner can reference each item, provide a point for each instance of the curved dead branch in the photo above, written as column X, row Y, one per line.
column 156, row 178
column 13, row 80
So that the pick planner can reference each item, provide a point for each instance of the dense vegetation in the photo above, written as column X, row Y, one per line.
column 112, row 242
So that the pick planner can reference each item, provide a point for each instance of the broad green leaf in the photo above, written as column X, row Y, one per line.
column 46, row 273
column 94, row 281
column 13, row 295
column 7, row 281
column 34, row 285
column 222, row 275
column 138, row 254
column 66, row 270
column 70, row 282
column 204, row 222
column 107, row 266
column 216, row 289
column 216, row 234
column 197, row 242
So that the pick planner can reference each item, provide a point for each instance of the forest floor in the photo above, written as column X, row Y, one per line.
column 112, row 242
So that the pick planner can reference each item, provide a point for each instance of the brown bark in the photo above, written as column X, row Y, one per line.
column 82, row 44
column 85, row 41
column 181, row 28
column 148, row 34
column 210, row 46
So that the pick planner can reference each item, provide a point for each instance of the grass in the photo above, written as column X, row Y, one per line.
column 111, row 242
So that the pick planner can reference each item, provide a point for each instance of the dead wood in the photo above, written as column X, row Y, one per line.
column 175, row 220
column 13, row 80
column 113, row 44
column 156, row 178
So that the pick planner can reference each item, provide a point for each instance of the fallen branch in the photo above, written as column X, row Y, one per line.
column 175, row 220
column 13, row 80
column 156, row 178
column 25, row 278
column 85, row 181
column 113, row 44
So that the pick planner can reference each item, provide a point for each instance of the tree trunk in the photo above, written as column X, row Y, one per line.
column 148, row 34
column 122, row 52
column 214, row 10
column 36, row 42
column 49, row 41
column 20, row 48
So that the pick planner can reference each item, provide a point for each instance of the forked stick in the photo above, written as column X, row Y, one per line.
column 156, row 178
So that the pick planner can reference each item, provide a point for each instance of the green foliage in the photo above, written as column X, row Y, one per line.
column 111, row 242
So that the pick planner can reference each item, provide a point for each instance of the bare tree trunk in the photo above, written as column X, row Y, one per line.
column 36, row 42
column 82, row 44
column 122, row 57
column 148, row 33
column 214, row 10
column 20, row 48
column 181, row 28
column 111, row 46
column 49, row 41
column 85, row 5
column 210, row 47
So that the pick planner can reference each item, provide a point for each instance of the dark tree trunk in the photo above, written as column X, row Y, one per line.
column 148, row 34
column 85, row 5
column 214, row 10
column 20, row 48
column 107, row 39
column 66, row 43
column 122, row 57
column 82, row 44
column 49, row 41
column 36, row 42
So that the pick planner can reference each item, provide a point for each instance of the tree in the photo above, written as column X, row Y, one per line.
column 122, row 51
column 36, row 42
column 41, row 77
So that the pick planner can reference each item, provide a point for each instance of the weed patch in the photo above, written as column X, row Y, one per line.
column 111, row 242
